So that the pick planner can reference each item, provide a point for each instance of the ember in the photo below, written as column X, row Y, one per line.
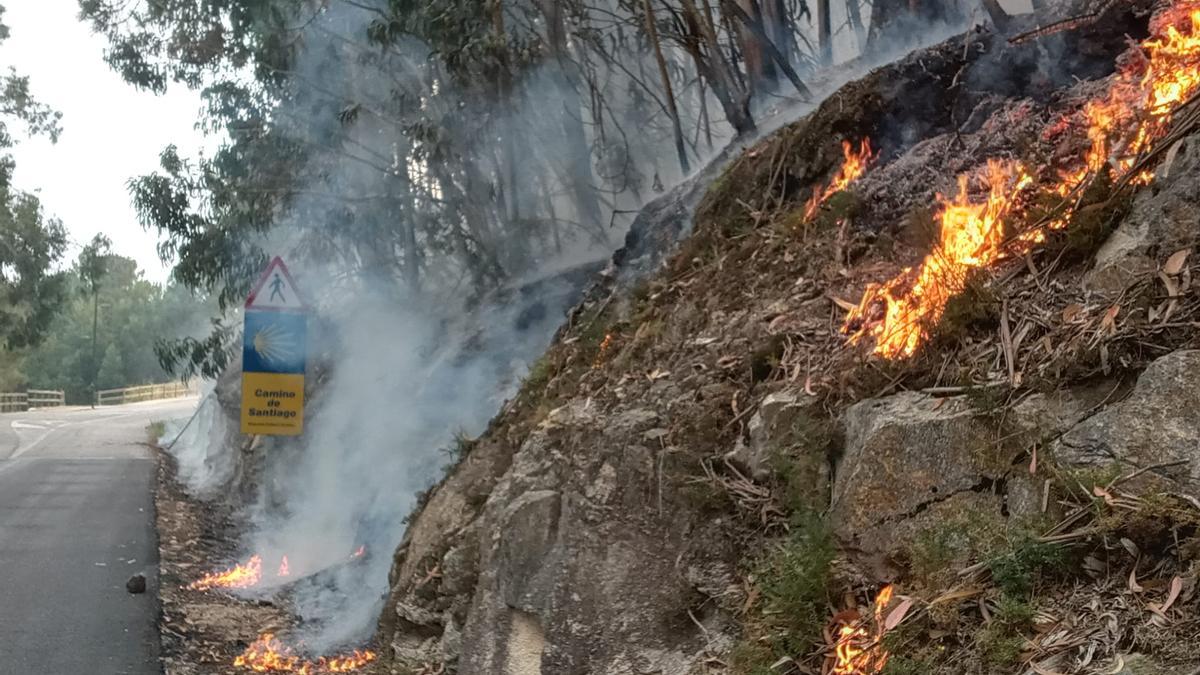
column 1120, row 127
column 853, row 166
column 858, row 651
column 602, row 351
column 269, row 655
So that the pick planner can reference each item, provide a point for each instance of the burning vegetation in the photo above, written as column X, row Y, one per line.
column 1121, row 127
column 269, row 655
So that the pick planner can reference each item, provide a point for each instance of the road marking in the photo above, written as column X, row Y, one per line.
column 20, row 451
column 27, row 425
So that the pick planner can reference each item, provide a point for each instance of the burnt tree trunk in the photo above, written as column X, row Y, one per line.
column 903, row 22
column 824, row 33
column 578, row 166
column 668, row 90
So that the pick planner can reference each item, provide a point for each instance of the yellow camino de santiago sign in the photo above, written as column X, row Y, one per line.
column 273, row 355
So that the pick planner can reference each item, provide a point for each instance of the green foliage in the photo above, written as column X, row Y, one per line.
column 132, row 315
column 840, row 206
column 1017, row 570
column 999, row 646
column 904, row 665
column 155, row 430
column 975, row 309
column 801, row 462
column 794, row 581
column 30, row 243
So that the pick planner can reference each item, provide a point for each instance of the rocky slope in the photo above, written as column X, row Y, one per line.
column 700, row 476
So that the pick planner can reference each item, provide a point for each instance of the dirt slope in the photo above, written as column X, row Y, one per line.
column 701, row 475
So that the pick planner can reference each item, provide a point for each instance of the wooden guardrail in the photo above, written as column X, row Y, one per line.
column 31, row 399
column 147, row 392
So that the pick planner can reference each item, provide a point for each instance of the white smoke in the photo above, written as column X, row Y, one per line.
column 405, row 374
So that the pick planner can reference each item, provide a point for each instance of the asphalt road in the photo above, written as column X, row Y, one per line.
column 76, row 521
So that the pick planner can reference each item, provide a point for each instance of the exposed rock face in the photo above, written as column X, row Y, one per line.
column 911, row 457
column 1158, row 423
column 569, row 567
column 1163, row 220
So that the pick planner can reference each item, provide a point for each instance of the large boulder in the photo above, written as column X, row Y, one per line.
column 1157, row 424
column 914, row 463
column 573, row 564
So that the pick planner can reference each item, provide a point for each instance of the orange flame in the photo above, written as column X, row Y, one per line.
column 854, row 164
column 1121, row 126
column 359, row 552
column 605, row 345
column 238, row 576
column 858, row 651
column 269, row 655
column 972, row 235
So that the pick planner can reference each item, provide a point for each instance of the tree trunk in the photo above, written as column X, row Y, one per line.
column 760, row 70
column 757, row 27
column 701, row 42
column 902, row 22
column 824, row 33
column 508, row 151
column 860, row 31
column 652, row 34
column 579, row 156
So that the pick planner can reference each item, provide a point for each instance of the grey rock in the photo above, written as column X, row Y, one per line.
column 769, row 428
column 904, row 453
column 136, row 584
column 1159, row 422
column 1163, row 219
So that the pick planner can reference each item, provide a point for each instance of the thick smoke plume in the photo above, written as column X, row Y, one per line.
column 406, row 372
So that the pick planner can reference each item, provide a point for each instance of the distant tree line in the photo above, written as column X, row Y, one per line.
column 107, row 294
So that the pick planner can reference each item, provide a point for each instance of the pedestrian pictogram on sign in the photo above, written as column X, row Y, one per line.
column 274, row 354
column 275, row 290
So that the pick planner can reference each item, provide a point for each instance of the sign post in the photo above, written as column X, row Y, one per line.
column 273, row 355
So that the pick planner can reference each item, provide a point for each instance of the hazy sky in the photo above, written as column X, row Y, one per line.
column 111, row 131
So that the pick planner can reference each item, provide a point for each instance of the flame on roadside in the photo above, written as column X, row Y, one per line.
column 238, row 576
column 854, row 164
column 268, row 655
column 1120, row 127
column 858, row 650
column 359, row 552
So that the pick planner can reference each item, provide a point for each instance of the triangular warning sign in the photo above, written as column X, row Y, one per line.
column 276, row 290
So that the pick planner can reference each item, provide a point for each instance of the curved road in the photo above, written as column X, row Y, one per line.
column 76, row 521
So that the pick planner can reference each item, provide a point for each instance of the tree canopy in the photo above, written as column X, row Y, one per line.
column 430, row 150
column 30, row 243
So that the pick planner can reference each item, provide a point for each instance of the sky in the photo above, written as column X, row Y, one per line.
column 111, row 131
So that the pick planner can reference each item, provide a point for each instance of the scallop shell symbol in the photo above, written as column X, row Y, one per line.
column 275, row 344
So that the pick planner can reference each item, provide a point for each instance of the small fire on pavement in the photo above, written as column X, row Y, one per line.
column 268, row 655
column 859, row 650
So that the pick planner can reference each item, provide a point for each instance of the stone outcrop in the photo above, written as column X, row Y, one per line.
column 570, row 566
column 1157, row 424
column 1163, row 220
